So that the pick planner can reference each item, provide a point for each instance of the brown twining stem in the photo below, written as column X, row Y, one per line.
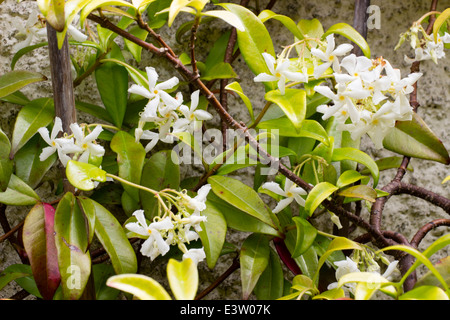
column 11, row 232
column 418, row 237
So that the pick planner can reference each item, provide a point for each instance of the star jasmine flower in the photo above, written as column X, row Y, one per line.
column 279, row 71
column 30, row 31
column 291, row 191
column 198, row 202
column 194, row 116
column 344, row 267
column 357, row 67
column 330, row 56
column 197, row 255
column 154, row 245
column 87, row 144
column 156, row 91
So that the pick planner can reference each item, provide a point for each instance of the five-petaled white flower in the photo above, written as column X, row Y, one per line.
column 291, row 191
column 193, row 115
column 196, row 255
column 330, row 56
column 31, row 30
column 86, row 144
column 155, row 244
column 280, row 72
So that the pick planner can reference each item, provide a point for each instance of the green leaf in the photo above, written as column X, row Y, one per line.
column 16, row 97
column 236, row 87
column 183, row 278
column 428, row 279
column 360, row 192
column 24, row 51
column 15, row 80
column 39, row 244
column 130, row 159
column 6, row 164
column 81, row 175
column 158, row 173
column 388, row 163
column 228, row 17
column 71, row 238
column 425, row 293
column 286, row 21
column 132, row 47
column 54, row 13
column 13, row 272
column 415, row 139
column 254, row 258
column 270, row 285
column 112, row 84
column 155, row 18
column 102, row 272
column 18, row 193
column 38, row 113
column 94, row 4
column 29, row 167
column 348, row 177
column 242, row 197
column 309, row 129
column 350, row 33
column 253, row 41
column 317, row 195
column 439, row 22
column 213, row 233
column 112, row 237
column 293, row 104
column 137, row 75
column 306, row 234
column 94, row 110
column 142, row 287
column 353, row 154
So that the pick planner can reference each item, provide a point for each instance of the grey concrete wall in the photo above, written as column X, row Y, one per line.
column 403, row 213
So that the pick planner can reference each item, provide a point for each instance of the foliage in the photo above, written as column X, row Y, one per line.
column 120, row 186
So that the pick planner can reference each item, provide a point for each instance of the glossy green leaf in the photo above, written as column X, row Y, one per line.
column 285, row 20
column 142, row 287
column 359, row 156
column 6, row 164
column 112, row 84
column 130, row 159
column 15, row 80
column 132, row 47
column 175, row 7
column 228, row 17
column 236, row 87
column 242, row 197
column 238, row 219
column 367, row 284
column 183, row 278
column 82, row 175
column 348, row 177
column 94, row 4
column 313, row 28
column 440, row 20
column 360, row 192
column 317, row 195
column 253, row 41
column 350, row 33
column 155, row 17
column 38, row 113
column 270, row 284
column 254, row 258
column 29, row 167
column 13, row 272
column 306, row 234
column 112, row 237
column 18, row 193
column 425, row 293
column 309, row 129
column 16, row 97
column 158, row 173
column 428, row 279
column 39, row 244
column 213, row 233
column 293, row 104
column 71, row 238
column 415, row 139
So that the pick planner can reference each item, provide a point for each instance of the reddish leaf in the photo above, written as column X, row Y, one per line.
column 39, row 243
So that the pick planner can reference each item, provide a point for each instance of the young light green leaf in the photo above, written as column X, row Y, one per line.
column 425, row 293
column 359, row 156
column 94, row 4
column 18, row 193
column 142, row 287
column 306, row 234
column 317, row 195
column 228, row 17
column 82, row 175
column 15, row 80
column 38, row 113
column 443, row 17
column 415, row 139
column 293, row 104
column 183, row 278
column 242, row 197
column 350, row 33
column 254, row 258
column 348, row 177
column 236, row 87
column 359, row 191
column 285, row 20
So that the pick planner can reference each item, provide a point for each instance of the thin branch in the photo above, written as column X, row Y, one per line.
column 418, row 237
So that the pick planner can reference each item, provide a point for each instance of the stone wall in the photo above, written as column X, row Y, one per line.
column 403, row 213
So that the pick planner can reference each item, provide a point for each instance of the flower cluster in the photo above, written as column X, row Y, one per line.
column 81, row 145
column 168, row 113
column 169, row 228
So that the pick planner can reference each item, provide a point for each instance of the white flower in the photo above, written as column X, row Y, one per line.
column 154, row 245
column 30, row 30
column 330, row 56
column 60, row 145
column 279, row 71
column 156, row 92
column 87, row 144
column 155, row 137
column 357, row 66
column 197, row 255
column 198, row 202
column 192, row 115
column 431, row 51
column 344, row 267
column 291, row 191
column 76, row 34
